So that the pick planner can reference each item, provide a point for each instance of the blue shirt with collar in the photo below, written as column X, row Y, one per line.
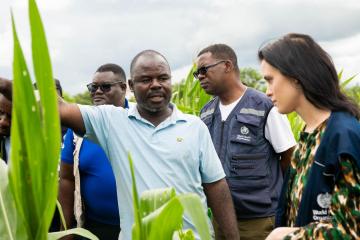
column 98, row 188
column 177, row 153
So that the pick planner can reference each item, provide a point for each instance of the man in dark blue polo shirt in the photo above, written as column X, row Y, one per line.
column 97, row 182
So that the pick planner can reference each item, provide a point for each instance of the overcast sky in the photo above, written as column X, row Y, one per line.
column 82, row 35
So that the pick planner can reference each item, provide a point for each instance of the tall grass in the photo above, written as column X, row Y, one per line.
column 28, row 188
column 188, row 95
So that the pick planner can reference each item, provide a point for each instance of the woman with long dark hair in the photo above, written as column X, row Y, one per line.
column 320, row 198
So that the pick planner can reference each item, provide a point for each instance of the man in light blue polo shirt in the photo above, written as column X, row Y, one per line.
column 169, row 148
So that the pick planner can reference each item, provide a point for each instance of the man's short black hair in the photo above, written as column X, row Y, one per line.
column 145, row 52
column 57, row 86
column 116, row 69
column 222, row 52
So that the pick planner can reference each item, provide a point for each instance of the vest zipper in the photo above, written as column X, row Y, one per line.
column 221, row 139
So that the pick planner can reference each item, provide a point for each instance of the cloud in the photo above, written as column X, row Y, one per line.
column 85, row 34
column 346, row 55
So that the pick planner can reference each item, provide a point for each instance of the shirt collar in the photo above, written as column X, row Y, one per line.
column 126, row 105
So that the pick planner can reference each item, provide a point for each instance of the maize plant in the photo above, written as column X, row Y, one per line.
column 159, row 214
column 28, row 187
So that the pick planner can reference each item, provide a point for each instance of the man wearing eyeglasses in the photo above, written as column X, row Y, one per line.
column 99, row 212
column 251, row 138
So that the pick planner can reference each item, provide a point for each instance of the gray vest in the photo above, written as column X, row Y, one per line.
column 251, row 165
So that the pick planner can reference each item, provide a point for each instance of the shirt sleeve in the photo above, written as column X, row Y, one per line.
column 210, row 166
column 278, row 131
column 344, row 208
column 96, row 121
column 68, row 148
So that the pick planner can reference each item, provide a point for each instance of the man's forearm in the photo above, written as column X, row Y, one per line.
column 6, row 88
column 66, row 199
column 220, row 201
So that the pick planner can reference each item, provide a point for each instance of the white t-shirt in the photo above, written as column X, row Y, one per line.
column 277, row 128
column 278, row 131
column 225, row 110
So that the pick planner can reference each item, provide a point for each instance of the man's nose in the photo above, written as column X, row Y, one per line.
column 98, row 91
column 155, row 83
column 201, row 76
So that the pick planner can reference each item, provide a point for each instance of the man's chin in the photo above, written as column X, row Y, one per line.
column 156, row 108
column 99, row 102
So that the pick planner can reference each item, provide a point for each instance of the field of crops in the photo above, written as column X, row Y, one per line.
column 28, row 191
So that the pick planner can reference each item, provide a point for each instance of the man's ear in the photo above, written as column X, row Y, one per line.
column 131, row 85
column 123, row 86
column 229, row 66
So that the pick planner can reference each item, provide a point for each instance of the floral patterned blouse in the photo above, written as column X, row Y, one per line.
column 345, row 201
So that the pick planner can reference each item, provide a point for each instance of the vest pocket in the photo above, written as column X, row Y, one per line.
column 251, row 196
column 244, row 130
column 248, row 165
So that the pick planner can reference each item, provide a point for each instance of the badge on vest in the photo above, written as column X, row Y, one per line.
column 244, row 130
column 324, row 201
column 244, row 136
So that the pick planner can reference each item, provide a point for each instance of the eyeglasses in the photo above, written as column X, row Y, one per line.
column 104, row 87
column 203, row 70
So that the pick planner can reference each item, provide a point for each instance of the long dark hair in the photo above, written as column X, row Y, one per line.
column 299, row 57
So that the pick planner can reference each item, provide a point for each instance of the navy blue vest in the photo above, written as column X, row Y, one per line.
column 341, row 136
column 251, row 165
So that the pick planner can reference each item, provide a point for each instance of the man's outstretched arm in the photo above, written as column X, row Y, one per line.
column 71, row 117
column 219, row 200
column 70, row 114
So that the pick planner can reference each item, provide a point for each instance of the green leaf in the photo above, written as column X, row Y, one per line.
column 195, row 209
column 163, row 222
column 154, row 199
column 61, row 213
column 347, row 81
column 78, row 231
column 26, row 144
column 187, row 235
column 35, row 137
column 296, row 123
column 11, row 225
column 137, row 233
column 50, row 116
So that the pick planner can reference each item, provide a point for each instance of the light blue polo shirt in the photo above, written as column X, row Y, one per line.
column 177, row 153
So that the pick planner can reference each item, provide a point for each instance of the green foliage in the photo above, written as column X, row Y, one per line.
column 29, row 187
column 296, row 123
column 188, row 96
column 354, row 93
column 252, row 78
column 159, row 213
column 80, row 98
column 83, row 98
column 33, row 173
